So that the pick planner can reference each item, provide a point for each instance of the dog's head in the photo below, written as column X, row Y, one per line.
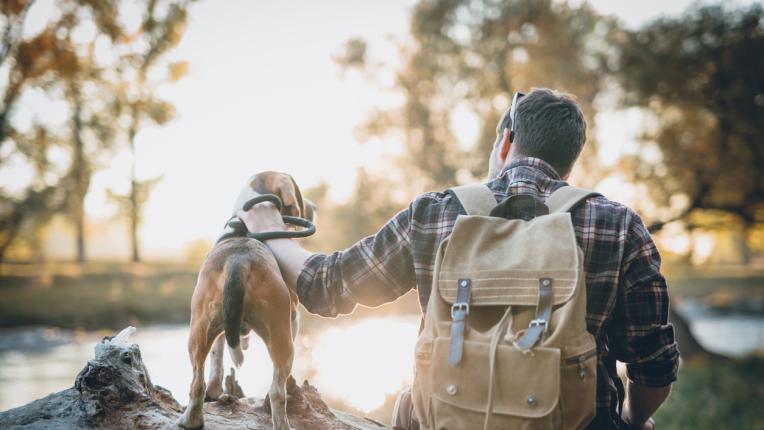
column 286, row 189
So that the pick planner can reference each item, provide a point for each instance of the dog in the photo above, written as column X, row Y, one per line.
column 240, row 289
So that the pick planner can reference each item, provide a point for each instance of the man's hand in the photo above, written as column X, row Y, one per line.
column 262, row 217
column 647, row 425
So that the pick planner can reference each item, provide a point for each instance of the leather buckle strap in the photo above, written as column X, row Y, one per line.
column 540, row 324
column 239, row 229
column 459, row 311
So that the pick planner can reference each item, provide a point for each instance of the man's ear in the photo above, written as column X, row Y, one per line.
column 505, row 146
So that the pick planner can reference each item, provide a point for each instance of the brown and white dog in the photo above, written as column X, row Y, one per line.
column 240, row 289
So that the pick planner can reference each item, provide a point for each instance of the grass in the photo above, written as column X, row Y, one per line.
column 716, row 395
column 111, row 296
column 95, row 299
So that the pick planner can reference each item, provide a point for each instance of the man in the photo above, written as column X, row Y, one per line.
column 535, row 149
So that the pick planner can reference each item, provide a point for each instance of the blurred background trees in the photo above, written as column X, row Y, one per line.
column 161, row 29
column 52, row 63
column 701, row 78
column 466, row 60
column 101, row 78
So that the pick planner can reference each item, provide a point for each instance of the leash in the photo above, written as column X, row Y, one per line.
column 240, row 229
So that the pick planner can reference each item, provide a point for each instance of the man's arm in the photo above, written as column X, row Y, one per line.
column 641, row 335
column 377, row 269
column 641, row 403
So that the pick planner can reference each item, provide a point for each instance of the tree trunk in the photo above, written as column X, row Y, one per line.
column 134, row 209
column 80, row 176
column 114, row 391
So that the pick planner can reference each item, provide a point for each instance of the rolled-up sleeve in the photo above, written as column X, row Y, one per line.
column 376, row 270
column 641, row 335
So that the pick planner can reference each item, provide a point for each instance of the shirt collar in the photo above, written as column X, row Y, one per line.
column 533, row 163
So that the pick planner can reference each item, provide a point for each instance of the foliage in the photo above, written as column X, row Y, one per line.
column 715, row 395
column 701, row 76
column 52, row 62
column 342, row 224
column 97, row 93
column 471, row 56
column 137, row 101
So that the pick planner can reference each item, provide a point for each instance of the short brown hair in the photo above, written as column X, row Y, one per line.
column 551, row 126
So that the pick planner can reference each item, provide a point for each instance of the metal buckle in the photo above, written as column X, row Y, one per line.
column 539, row 322
column 460, row 307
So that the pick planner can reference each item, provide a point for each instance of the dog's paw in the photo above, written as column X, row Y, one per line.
column 190, row 423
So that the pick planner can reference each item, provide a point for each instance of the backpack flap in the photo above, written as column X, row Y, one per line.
column 506, row 259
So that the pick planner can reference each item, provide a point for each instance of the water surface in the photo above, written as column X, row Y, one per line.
column 359, row 364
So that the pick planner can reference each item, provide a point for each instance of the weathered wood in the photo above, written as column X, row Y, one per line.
column 114, row 391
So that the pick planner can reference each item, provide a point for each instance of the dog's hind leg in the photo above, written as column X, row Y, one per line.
column 215, row 383
column 282, row 368
column 281, row 350
column 199, row 343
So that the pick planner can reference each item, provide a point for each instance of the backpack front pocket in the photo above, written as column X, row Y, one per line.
column 526, row 387
column 579, row 389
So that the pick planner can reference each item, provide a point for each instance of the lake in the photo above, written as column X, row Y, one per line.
column 35, row 362
column 379, row 352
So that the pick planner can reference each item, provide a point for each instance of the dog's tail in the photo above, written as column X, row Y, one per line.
column 233, row 303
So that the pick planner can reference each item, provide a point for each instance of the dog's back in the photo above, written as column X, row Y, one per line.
column 230, row 277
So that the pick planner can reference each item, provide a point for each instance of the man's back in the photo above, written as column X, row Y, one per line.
column 627, row 301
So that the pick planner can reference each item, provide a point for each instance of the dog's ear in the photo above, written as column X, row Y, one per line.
column 282, row 185
column 285, row 187
column 311, row 211
column 298, row 195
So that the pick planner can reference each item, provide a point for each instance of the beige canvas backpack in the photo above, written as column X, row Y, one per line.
column 504, row 342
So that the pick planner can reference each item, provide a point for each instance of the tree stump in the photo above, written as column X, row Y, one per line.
column 114, row 391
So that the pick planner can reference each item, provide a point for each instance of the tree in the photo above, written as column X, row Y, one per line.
column 98, row 95
column 343, row 224
column 158, row 33
column 472, row 56
column 45, row 61
column 84, row 88
column 701, row 77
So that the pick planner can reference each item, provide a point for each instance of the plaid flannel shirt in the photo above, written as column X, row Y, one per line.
column 627, row 298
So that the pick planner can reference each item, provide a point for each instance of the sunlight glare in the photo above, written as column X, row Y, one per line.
column 364, row 363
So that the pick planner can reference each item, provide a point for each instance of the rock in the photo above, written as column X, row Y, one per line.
column 114, row 391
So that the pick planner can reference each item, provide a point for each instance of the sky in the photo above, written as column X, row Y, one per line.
column 263, row 93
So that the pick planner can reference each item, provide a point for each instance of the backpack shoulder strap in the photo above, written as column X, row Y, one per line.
column 476, row 199
column 567, row 197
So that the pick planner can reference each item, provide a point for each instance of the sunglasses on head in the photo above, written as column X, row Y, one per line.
column 509, row 118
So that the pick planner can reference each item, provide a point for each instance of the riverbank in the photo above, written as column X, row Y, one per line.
column 95, row 296
column 112, row 295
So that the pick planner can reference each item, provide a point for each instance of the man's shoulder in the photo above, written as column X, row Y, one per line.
column 431, row 201
column 603, row 210
column 434, row 207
